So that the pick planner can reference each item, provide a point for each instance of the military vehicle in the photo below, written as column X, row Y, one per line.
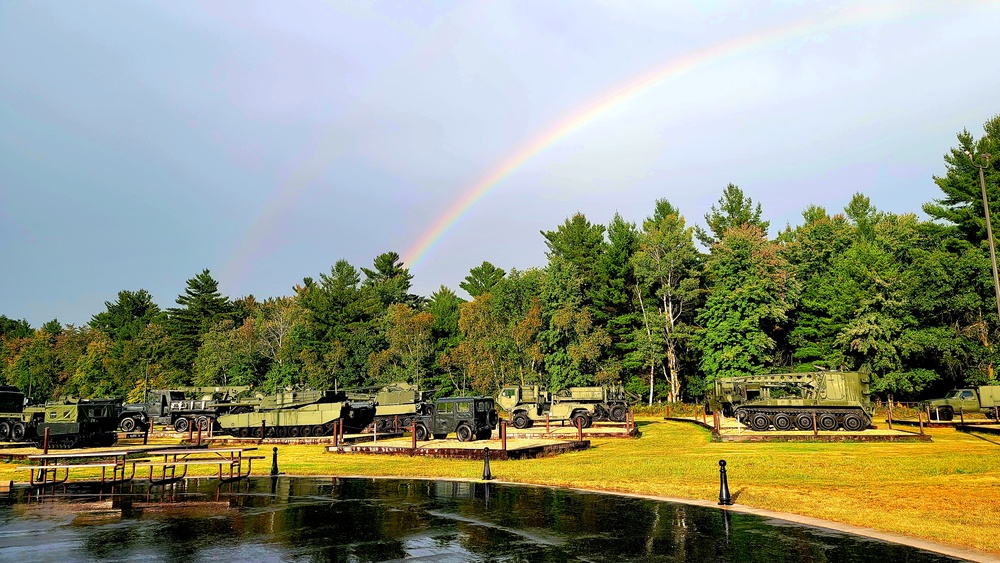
column 298, row 413
column 71, row 422
column 395, row 406
column 985, row 399
column 529, row 404
column 610, row 402
column 789, row 401
column 470, row 418
column 173, row 407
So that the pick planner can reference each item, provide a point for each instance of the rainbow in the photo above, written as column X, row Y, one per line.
column 610, row 99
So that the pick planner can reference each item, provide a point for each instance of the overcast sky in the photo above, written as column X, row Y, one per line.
column 141, row 142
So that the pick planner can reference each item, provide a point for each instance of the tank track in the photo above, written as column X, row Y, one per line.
column 801, row 418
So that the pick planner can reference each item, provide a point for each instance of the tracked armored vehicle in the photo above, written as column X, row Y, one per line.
column 298, row 413
column 396, row 406
column 789, row 401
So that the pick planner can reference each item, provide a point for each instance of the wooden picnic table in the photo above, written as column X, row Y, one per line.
column 232, row 458
column 48, row 473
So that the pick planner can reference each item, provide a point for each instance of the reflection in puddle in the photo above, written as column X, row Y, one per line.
column 310, row 519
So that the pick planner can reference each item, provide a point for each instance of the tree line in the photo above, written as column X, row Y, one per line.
column 662, row 306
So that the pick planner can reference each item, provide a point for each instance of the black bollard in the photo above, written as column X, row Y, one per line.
column 486, row 465
column 274, row 463
column 725, row 499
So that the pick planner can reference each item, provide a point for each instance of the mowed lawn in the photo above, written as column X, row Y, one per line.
column 947, row 490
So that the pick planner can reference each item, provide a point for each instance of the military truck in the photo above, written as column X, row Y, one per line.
column 789, row 401
column 529, row 404
column 294, row 413
column 610, row 402
column 71, row 422
column 173, row 407
column 985, row 399
column 470, row 418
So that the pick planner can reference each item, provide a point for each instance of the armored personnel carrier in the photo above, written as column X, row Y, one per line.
column 396, row 405
column 470, row 418
column 789, row 401
column 298, row 413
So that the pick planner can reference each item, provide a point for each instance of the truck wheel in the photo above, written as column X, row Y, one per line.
column 4, row 431
column 203, row 423
column 421, row 432
column 521, row 421
column 854, row 423
column 945, row 414
column 17, row 432
column 181, row 424
column 618, row 413
column 581, row 420
column 127, row 424
column 464, row 433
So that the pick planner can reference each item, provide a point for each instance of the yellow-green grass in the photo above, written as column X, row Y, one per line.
column 946, row 491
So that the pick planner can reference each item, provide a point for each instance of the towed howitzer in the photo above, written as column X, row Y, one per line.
column 791, row 401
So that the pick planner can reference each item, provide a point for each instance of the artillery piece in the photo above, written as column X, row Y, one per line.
column 791, row 401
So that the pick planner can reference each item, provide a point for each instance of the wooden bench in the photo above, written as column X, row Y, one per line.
column 231, row 457
column 48, row 474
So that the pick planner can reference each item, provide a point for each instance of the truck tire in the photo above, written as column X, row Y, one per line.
column 203, row 423
column 420, row 431
column 618, row 413
column 581, row 420
column 521, row 421
column 18, row 432
column 944, row 414
column 182, row 424
column 4, row 431
column 127, row 424
column 464, row 433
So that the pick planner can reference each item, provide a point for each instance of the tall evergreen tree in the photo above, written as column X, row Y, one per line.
column 201, row 307
column 481, row 279
column 124, row 318
column 735, row 210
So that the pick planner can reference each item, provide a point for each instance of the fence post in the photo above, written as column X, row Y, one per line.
column 920, row 420
column 503, row 434
column 815, row 429
column 579, row 430
column 890, row 415
column 45, row 443
column 263, row 431
column 199, row 435
column 413, row 436
column 190, row 430
column 145, row 433
column 547, row 431
column 668, row 410
column 961, row 414
column 716, row 423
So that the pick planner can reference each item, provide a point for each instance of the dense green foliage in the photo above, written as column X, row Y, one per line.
column 909, row 301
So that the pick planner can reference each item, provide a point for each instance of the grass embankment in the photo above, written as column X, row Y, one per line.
column 946, row 491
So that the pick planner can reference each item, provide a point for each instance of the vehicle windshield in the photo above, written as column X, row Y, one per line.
column 952, row 394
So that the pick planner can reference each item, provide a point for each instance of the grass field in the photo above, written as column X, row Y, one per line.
column 946, row 491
